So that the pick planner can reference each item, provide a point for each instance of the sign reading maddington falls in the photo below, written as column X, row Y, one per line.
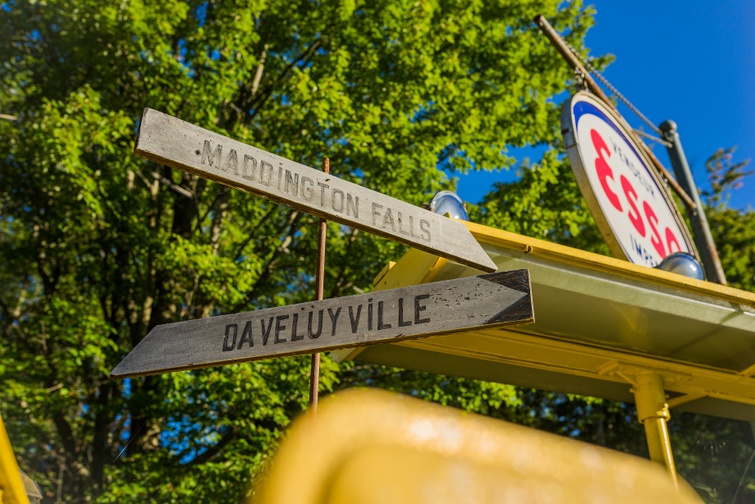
column 632, row 208
column 182, row 145
column 388, row 316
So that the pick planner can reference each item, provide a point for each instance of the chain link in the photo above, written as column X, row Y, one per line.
column 653, row 138
column 615, row 91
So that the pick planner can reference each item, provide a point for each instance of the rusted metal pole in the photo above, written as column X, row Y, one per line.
column 570, row 58
column 314, row 372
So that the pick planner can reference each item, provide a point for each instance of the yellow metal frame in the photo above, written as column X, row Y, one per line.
column 597, row 262
column 12, row 490
column 650, row 397
column 652, row 411
column 650, row 375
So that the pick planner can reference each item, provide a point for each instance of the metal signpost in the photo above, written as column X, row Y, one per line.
column 490, row 300
column 631, row 206
column 314, row 369
column 182, row 145
column 703, row 238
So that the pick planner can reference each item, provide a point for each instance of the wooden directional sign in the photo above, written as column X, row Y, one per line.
column 176, row 143
column 377, row 317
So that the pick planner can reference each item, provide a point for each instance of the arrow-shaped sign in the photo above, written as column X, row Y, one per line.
column 182, row 145
column 377, row 317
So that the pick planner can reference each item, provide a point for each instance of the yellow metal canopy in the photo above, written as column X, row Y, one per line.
column 600, row 323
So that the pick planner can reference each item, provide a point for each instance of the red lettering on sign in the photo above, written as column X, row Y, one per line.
column 653, row 221
column 631, row 199
column 603, row 170
column 671, row 239
column 634, row 214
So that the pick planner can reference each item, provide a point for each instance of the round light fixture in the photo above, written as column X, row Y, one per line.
column 449, row 204
column 683, row 263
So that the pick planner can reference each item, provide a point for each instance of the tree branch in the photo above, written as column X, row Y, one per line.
column 305, row 57
column 265, row 275
column 211, row 451
column 251, row 235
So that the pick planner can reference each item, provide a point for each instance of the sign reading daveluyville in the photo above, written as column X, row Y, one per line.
column 379, row 317
column 432, row 309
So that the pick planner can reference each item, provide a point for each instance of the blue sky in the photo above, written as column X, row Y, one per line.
column 692, row 62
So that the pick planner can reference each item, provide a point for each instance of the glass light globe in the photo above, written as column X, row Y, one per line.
column 450, row 204
column 683, row 263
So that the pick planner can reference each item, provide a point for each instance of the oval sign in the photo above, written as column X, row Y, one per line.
column 632, row 208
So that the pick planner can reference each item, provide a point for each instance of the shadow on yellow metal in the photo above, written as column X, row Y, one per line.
column 12, row 490
column 374, row 447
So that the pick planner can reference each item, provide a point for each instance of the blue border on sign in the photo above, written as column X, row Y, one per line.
column 582, row 108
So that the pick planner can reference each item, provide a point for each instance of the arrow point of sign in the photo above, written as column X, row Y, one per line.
column 514, row 279
column 478, row 258
column 521, row 310
column 122, row 370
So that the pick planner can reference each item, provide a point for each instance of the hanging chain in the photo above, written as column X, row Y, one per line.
column 579, row 78
column 618, row 95
column 654, row 138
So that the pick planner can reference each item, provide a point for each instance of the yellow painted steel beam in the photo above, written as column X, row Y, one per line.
column 568, row 255
column 591, row 361
column 683, row 399
column 749, row 371
column 416, row 267
column 12, row 490
column 373, row 447
column 653, row 413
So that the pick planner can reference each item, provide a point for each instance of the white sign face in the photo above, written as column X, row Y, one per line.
column 633, row 210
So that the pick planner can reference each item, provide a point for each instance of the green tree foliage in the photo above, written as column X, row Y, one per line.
column 733, row 230
column 99, row 246
column 544, row 203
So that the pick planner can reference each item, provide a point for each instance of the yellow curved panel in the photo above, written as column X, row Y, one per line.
column 374, row 447
column 12, row 489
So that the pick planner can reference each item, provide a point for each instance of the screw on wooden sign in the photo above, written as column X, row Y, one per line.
column 176, row 143
column 387, row 316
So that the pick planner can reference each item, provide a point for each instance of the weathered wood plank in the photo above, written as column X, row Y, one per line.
column 367, row 319
column 182, row 145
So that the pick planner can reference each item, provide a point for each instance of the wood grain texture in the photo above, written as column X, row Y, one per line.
column 378, row 317
column 171, row 141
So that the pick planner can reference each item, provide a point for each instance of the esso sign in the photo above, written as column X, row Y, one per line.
column 634, row 212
